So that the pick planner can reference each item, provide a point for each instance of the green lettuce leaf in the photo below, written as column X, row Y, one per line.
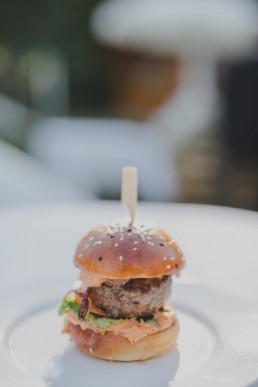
column 101, row 321
column 68, row 304
column 152, row 322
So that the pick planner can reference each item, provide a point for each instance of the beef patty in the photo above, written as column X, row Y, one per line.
column 138, row 297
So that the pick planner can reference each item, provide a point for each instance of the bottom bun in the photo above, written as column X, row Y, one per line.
column 113, row 347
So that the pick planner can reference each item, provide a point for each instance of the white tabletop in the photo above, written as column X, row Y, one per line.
column 215, row 298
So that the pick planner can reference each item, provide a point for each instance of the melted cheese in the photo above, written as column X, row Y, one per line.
column 90, row 280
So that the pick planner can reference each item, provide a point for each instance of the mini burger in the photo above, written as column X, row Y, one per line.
column 118, row 309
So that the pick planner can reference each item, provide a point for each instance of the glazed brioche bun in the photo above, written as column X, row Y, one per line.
column 117, row 348
column 120, row 251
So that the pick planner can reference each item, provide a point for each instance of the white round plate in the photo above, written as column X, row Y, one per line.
column 215, row 300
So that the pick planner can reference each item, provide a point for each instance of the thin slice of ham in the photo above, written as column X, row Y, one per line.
column 131, row 329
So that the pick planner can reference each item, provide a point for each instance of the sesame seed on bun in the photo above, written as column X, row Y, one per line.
column 118, row 250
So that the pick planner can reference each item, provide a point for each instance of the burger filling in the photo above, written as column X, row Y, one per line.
column 133, row 329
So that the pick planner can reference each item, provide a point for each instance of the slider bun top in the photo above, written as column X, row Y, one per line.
column 118, row 250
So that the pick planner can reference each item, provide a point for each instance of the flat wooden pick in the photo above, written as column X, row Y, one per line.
column 129, row 190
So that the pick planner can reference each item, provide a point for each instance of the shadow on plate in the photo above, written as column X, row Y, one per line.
column 73, row 368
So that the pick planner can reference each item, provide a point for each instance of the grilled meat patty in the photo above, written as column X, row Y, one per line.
column 138, row 297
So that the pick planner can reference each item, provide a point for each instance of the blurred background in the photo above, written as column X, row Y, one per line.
column 170, row 86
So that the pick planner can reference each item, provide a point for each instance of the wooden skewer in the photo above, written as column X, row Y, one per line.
column 129, row 190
